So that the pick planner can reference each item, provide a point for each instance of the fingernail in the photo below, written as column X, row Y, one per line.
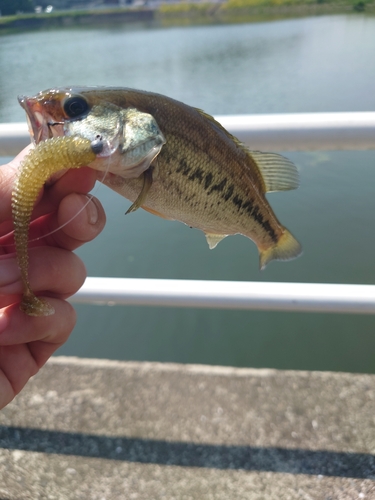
column 92, row 211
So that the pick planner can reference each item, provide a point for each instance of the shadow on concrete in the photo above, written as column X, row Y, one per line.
column 149, row 451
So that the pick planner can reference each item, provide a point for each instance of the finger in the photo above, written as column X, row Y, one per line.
column 81, row 219
column 21, row 360
column 18, row 328
column 53, row 271
column 16, row 367
column 79, row 180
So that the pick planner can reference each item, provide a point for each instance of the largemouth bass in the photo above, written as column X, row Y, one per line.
column 174, row 161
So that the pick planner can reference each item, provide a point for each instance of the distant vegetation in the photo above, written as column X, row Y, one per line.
column 296, row 3
column 354, row 4
column 242, row 10
column 258, row 3
column 20, row 15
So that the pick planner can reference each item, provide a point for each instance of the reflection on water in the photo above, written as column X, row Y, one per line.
column 315, row 64
column 329, row 214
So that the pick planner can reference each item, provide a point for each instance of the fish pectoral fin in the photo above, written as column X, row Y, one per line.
column 287, row 248
column 278, row 173
column 214, row 239
column 147, row 182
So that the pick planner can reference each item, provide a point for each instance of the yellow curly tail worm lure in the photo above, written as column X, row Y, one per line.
column 47, row 158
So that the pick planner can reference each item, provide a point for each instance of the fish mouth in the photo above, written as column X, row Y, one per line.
column 41, row 125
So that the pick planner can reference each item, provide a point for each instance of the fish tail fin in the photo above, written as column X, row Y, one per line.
column 286, row 248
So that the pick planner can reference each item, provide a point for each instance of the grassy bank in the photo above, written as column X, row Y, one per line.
column 254, row 10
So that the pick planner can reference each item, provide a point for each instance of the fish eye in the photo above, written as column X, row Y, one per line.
column 75, row 106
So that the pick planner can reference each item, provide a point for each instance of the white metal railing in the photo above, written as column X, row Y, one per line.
column 294, row 132
column 301, row 297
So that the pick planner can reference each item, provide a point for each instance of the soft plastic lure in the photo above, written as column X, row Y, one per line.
column 47, row 158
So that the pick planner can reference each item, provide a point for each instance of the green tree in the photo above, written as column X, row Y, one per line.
column 9, row 7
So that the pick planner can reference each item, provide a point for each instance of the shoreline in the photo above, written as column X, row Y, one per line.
column 234, row 11
column 237, row 12
column 65, row 19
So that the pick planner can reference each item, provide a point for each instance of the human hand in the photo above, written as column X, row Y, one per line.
column 27, row 342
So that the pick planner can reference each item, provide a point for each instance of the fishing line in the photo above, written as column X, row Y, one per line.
column 89, row 196
column 89, row 200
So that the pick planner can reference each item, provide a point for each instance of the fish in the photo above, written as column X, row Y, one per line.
column 174, row 161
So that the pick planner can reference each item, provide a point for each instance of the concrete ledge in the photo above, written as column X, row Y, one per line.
column 93, row 429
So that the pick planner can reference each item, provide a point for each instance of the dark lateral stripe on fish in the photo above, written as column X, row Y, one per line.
column 270, row 231
column 237, row 201
column 265, row 224
column 248, row 206
column 197, row 174
column 218, row 187
column 208, row 180
column 229, row 192
column 253, row 212
column 183, row 167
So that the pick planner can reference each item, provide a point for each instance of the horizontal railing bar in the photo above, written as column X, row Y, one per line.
column 262, row 296
column 274, row 132
column 304, row 131
column 13, row 138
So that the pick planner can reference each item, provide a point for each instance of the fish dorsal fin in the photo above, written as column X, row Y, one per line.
column 214, row 239
column 218, row 126
column 278, row 173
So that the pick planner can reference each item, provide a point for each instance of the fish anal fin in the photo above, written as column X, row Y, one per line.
column 214, row 239
column 278, row 173
column 286, row 248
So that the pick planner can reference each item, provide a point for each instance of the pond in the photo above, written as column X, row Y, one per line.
column 303, row 65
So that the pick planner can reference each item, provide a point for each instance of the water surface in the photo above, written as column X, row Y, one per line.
column 303, row 65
